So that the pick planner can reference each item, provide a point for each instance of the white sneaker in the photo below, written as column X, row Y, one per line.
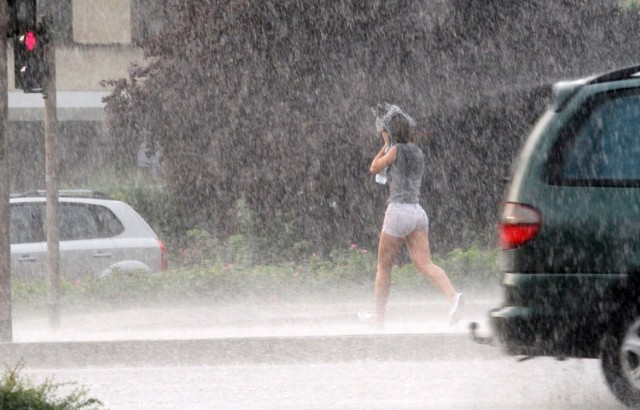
column 455, row 314
column 369, row 319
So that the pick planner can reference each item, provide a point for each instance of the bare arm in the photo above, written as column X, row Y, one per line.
column 383, row 160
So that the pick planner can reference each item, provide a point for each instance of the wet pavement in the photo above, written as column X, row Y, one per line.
column 405, row 316
column 295, row 355
column 245, row 332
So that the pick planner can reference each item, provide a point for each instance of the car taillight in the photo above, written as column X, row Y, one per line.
column 519, row 224
column 164, row 264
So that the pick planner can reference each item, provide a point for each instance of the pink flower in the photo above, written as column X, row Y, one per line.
column 354, row 246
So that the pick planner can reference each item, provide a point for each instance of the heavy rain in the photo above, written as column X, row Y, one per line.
column 241, row 135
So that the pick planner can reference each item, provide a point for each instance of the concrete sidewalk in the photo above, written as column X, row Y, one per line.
column 246, row 333
column 247, row 320
column 246, row 350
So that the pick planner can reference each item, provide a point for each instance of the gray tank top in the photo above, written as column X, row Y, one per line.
column 406, row 175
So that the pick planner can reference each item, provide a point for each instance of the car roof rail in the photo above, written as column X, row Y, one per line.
column 616, row 75
column 564, row 90
column 77, row 193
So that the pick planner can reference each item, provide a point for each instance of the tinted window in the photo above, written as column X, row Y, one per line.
column 84, row 221
column 76, row 222
column 27, row 223
column 108, row 224
column 601, row 146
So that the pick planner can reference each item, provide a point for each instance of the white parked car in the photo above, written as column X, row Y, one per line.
column 98, row 236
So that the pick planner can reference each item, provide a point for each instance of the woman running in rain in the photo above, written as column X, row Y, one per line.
column 405, row 221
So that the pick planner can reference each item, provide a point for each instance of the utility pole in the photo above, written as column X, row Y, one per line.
column 35, row 72
column 6, row 326
column 51, row 160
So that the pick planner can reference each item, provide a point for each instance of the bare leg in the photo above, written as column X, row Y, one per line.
column 418, row 243
column 388, row 250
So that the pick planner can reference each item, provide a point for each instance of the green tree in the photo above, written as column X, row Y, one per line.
column 269, row 101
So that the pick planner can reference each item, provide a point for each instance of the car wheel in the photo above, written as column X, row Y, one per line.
column 621, row 362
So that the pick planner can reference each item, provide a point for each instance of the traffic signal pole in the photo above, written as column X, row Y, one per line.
column 18, row 20
column 50, row 148
column 35, row 72
column 6, row 326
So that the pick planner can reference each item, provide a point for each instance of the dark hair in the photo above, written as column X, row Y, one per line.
column 400, row 129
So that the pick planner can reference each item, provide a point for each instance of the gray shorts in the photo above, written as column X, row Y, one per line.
column 402, row 219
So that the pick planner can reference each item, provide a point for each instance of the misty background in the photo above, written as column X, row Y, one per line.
column 261, row 112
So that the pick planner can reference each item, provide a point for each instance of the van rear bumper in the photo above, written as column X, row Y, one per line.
column 556, row 314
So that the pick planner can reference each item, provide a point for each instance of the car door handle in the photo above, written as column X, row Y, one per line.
column 102, row 255
column 27, row 258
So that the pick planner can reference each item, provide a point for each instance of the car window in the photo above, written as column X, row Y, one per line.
column 602, row 146
column 76, row 222
column 27, row 223
column 86, row 221
column 108, row 224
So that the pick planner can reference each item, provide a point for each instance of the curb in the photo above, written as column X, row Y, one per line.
column 404, row 347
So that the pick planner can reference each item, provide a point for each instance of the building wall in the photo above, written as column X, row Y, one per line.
column 101, row 45
column 82, row 68
column 101, row 21
column 95, row 42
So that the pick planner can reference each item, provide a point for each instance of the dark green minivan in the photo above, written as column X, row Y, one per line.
column 570, row 232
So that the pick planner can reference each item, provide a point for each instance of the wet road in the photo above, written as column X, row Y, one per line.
column 297, row 356
column 246, row 319
column 490, row 383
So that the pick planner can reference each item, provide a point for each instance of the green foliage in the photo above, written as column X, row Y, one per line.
column 633, row 5
column 247, row 246
column 471, row 268
column 18, row 393
column 406, row 276
column 196, row 248
column 346, row 272
column 354, row 263
column 246, row 218
column 30, row 292
column 280, row 116
column 278, row 238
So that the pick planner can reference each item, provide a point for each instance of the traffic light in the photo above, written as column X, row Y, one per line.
column 30, row 68
column 29, row 40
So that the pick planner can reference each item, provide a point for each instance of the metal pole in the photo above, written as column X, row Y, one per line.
column 6, row 327
column 50, row 147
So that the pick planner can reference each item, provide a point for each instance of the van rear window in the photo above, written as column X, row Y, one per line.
column 601, row 145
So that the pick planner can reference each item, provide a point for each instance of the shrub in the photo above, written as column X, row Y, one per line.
column 197, row 248
column 632, row 4
column 231, row 278
column 17, row 393
column 472, row 268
